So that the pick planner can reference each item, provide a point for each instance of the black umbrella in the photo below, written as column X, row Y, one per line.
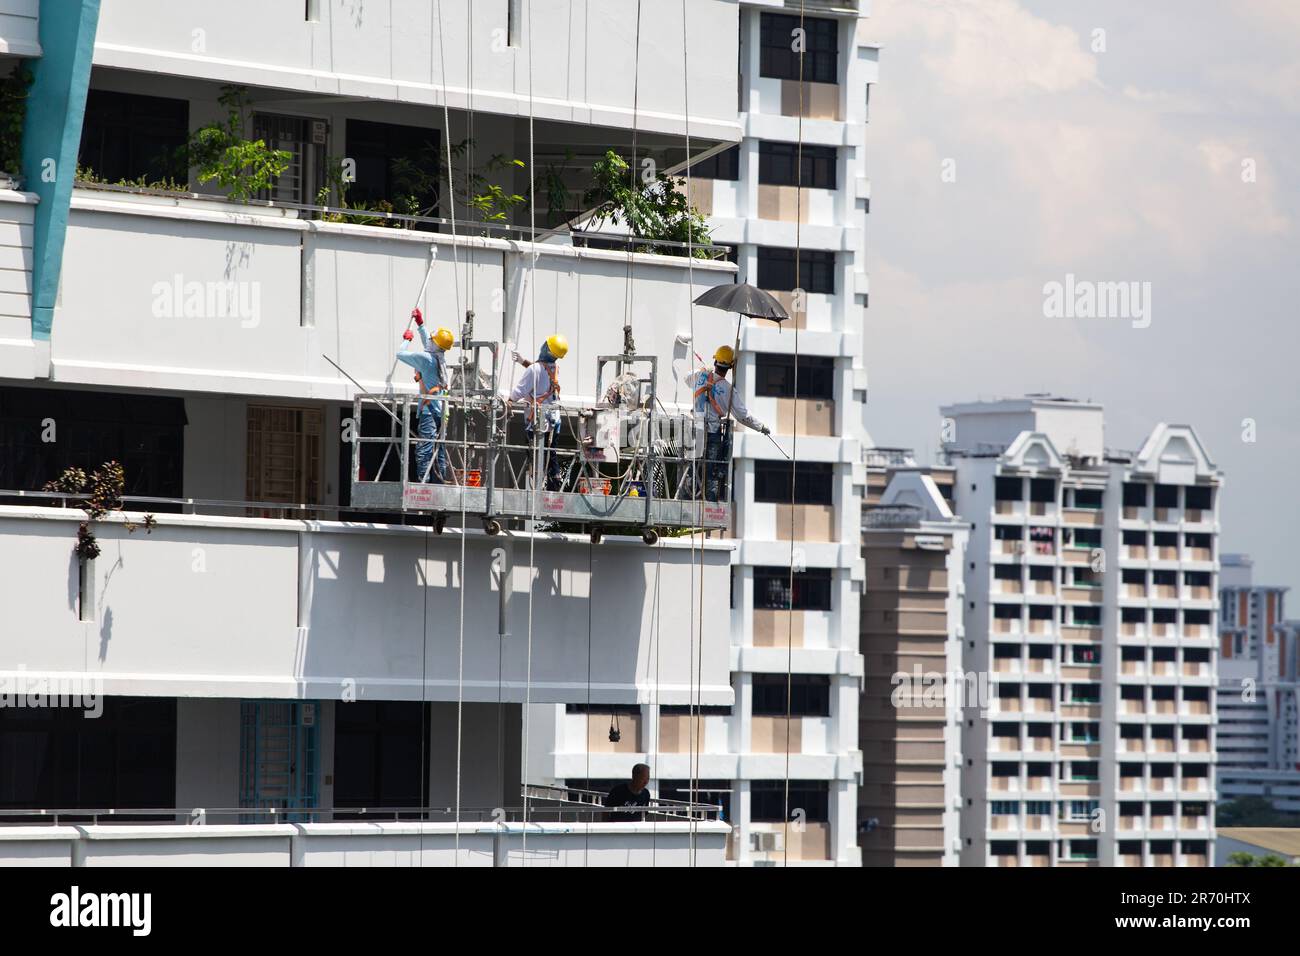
column 745, row 299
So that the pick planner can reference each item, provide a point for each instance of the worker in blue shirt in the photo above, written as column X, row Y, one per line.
column 431, row 376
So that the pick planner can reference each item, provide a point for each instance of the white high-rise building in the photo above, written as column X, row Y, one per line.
column 1091, row 602
column 759, row 203
column 1259, row 711
column 283, row 645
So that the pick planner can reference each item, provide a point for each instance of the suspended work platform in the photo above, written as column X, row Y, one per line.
column 622, row 464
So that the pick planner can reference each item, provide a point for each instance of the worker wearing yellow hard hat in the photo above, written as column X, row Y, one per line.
column 431, row 376
column 539, row 388
column 717, row 403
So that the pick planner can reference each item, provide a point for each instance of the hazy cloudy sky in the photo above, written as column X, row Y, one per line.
column 1122, row 165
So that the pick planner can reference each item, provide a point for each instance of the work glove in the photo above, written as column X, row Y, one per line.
column 408, row 335
column 419, row 318
column 764, row 429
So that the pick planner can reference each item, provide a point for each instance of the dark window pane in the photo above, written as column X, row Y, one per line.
column 129, row 136
column 776, row 270
column 812, row 589
column 779, row 60
column 723, row 165
column 779, row 165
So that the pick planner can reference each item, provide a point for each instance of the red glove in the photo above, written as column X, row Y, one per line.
column 419, row 319
column 408, row 335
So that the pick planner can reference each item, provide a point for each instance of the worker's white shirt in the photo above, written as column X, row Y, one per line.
column 703, row 383
column 535, row 384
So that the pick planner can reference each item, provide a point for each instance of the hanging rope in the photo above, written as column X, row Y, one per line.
column 532, row 529
column 794, row 439
column 439, row 447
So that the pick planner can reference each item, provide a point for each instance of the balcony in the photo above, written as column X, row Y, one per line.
column 268, row 294
column 253, row 607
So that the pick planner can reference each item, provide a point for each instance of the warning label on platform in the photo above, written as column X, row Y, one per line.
column 715, row 514
column 553, row 503
column 418, row 496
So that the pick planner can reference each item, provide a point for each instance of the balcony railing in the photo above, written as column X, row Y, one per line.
column 564, row 833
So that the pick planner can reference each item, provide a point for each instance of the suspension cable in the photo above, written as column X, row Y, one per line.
column 532, row 530
column 440, row 447
column 794, row 438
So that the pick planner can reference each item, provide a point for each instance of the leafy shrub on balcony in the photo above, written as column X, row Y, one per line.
column 655, row 210
column 221, row 152
column 13, row 109
column 102, row 489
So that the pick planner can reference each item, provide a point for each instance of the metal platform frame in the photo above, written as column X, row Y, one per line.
column 657, row 483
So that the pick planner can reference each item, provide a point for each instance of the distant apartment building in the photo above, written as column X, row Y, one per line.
column 1091, row 602
column 910, row 717
column 1259, row 719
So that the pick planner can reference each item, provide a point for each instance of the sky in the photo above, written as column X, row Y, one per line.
column 1014, row 142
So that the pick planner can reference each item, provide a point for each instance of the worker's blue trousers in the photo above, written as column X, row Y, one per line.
column 429, row 426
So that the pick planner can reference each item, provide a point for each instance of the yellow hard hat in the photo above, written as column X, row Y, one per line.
column 724, row 356
column 558, row 345
column 444, row 339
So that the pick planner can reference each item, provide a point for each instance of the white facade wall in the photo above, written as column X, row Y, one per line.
column 420, row 52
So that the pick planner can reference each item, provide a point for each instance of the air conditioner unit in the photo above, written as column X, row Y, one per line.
column 767, row 841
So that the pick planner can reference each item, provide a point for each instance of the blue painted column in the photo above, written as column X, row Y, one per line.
column 51, row 137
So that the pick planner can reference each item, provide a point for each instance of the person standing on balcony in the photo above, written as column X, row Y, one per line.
column 716, row 402
column 431, row 376
column 539, row 388
column 634, row 793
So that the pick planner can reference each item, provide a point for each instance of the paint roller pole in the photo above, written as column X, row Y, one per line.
column 433, row 257
column 778, row 447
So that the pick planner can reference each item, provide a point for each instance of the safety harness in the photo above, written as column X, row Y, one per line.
column 552, row 391
column 711, row 379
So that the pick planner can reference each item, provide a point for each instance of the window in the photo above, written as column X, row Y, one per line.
column 393, row 161
column 1135, row 494
column 1087, row 616
column 1082, row 809
column 1006, row 572
column 1199, row 497
column 775, row 376
column 1041, row 572
column 1038, row 808
column 1004, row 808
column 1166, row 496
column 128, row 136
column 1086, row 537
column 1135, row 539
column 812, row 589
column 1084, row 693
column 812, row 482
column 378, row 754
column 1042, row 490
column 1008, row 532
column 780, row 164
column 1008, row 489
column 1087, row 498
column 767, row 800
column 145, row 433
column 688, row 710
column 56, row 757
column 1006, row 611
column 810, row 695
column 778, row 58
column 776, row 270
column 723, row 165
